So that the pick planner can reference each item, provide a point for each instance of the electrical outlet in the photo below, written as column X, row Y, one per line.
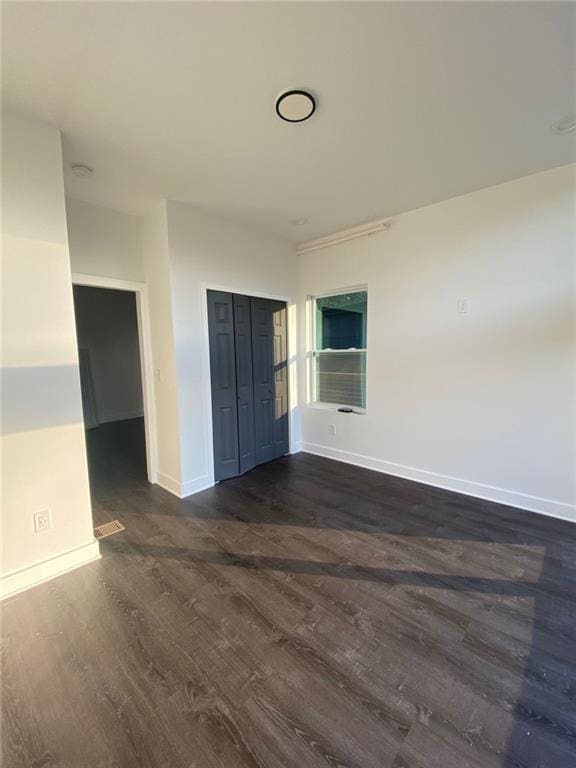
column 332, row 429
column 42, row 520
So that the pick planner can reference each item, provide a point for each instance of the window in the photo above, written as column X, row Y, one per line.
column 339, row 349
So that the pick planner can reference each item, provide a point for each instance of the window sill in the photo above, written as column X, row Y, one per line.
column 332, row 407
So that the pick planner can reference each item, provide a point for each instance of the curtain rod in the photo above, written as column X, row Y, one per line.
column 342, row 237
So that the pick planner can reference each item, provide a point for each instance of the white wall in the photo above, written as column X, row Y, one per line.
column 208, row 251
column 481, row 402
column 44, row 458
column 107, row 327
column 157, row 271
column 104, row 242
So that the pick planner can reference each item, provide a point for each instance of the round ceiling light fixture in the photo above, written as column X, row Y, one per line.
column 295, row 106
column 565, row 125
column 81, row 170
column 299, row 222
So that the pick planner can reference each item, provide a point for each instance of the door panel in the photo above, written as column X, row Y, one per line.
column 223, row 379
column 244, row 382
column 228, row 446
column 280, row 367
column 262, row 359
column 224, row 360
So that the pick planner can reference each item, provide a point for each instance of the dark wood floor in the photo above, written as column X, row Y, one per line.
column 308, row 614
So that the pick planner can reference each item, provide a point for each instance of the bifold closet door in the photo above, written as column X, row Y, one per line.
column 263, row 366
column 249, row 375
column 244, row 382
column 224, row 394
column 280, row 363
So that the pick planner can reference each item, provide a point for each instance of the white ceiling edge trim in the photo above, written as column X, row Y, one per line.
column 342, row 236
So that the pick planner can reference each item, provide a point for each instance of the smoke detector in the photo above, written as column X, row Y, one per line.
column 565, row 125
column 81, row 170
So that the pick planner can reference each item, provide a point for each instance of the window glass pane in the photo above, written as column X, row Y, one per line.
column 341, row 378
column 341, row 321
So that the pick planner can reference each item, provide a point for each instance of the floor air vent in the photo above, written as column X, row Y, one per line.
column 101, row 531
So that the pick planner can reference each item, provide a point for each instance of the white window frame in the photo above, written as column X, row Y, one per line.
column 313, row 351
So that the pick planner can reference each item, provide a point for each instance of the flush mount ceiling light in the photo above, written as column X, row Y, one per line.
column 295, row 106
column 81, row 170
column 299, row 222
column 565, row 125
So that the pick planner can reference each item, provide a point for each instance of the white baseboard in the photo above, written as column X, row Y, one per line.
column 121, row 416
column 187, row 488
column 558, row 509
column 195, row 486
column 168, row 482
column 24, row 578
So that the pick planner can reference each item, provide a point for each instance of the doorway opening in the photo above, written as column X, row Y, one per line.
column 113, row 355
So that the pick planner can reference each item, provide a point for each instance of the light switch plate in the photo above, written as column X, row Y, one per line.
column 462, row 306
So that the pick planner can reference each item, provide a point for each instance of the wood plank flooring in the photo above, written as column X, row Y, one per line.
column 309, row 614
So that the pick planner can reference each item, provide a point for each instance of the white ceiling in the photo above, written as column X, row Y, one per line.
column 417, row 102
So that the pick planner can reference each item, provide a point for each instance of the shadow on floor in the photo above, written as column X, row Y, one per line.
column 338, row 570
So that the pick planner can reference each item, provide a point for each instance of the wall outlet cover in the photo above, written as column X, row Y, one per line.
column 42, row 520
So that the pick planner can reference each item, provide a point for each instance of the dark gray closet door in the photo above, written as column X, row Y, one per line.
column 223, row 375
column 244, row 382
column 280, row 356
column 263, row 367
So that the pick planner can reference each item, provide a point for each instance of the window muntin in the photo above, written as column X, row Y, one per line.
column 339, row 353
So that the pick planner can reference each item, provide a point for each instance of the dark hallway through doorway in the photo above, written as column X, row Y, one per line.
column 111, row 381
